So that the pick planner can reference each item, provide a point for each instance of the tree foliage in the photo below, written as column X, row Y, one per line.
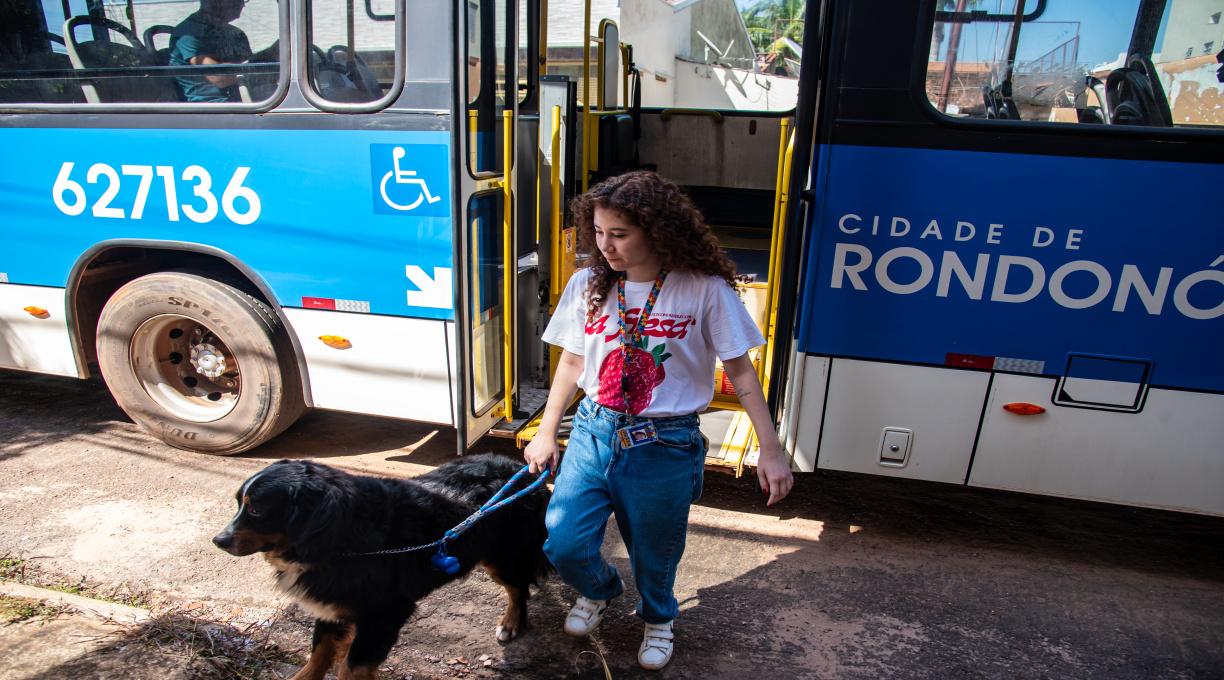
column 770, row 20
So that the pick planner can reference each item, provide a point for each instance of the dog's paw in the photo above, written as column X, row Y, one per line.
column 506, row 634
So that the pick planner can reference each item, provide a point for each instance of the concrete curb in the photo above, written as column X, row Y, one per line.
column 94, row 608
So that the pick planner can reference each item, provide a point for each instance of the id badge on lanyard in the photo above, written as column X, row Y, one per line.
column 635, row 434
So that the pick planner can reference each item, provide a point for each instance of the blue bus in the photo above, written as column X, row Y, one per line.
column 981, row 235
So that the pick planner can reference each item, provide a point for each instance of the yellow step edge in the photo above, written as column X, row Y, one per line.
column 529, row 430
column 737, row 444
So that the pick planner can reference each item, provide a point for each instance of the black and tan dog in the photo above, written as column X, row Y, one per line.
column 307, row 518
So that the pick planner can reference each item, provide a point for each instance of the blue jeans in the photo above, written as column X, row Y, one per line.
column 649, row 487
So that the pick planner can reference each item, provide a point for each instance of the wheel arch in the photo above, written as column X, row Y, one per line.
column 108, row 265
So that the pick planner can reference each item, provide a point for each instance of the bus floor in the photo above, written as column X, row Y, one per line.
column 848, row 577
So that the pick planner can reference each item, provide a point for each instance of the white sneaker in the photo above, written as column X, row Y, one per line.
column 656, row 649
column 584, row 616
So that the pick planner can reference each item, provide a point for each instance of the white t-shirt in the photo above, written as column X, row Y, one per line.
column 695, row 319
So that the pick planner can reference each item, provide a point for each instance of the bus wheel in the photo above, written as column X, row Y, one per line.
column 198, row 363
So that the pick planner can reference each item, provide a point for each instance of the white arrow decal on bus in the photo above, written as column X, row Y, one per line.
column 434, row 292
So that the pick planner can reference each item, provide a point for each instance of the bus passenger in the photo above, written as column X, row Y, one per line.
column 206, row 37
column 640, row 330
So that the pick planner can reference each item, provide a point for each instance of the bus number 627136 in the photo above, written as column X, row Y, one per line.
column 202, row 189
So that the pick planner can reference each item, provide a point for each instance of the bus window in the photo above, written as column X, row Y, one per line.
column 485, row 282
column 138, row 51
column 1081, row 61
column 528, row 52
column 338, row 29
column 486, row 57
column 704, row 55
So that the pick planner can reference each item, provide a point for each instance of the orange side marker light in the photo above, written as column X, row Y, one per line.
column 38, row 312
column 1024, row 409
column 336, row 341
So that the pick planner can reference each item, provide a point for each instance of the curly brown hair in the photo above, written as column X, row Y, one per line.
column 674, row 227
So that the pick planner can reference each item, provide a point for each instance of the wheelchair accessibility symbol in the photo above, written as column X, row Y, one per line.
column 410, row 180
column 405, row 177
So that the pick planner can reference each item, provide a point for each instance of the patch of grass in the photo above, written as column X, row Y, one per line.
column 11, row 567
column 70, row 589
column 18, row 609
column 22, row 570
column 234, row 653
column 229, row 651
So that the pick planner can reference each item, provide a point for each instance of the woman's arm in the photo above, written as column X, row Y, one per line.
column 772, row 467
column 542, row 452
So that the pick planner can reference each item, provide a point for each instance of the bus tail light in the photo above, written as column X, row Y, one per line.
column 36, row 312
column 1024, row 409
column 336, row 341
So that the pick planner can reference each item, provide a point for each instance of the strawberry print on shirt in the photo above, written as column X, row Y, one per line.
column 696, row 320
column 644, row 374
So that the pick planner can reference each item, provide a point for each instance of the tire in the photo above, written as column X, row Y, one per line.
column 199, row 364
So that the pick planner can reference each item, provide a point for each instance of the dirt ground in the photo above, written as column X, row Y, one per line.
column 850, row 577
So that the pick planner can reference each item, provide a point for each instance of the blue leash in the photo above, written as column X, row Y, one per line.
column 443, row 562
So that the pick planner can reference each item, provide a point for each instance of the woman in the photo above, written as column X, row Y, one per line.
column 640, row 329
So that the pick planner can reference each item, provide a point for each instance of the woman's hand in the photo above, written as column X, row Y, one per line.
column 542, row 453
column 773, row 471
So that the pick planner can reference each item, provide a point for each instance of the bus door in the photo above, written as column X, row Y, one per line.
column 484, row 123
column 502, row 380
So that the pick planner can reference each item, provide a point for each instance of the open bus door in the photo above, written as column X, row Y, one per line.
column 499, row 246
column 484, row 115
column 712, row 154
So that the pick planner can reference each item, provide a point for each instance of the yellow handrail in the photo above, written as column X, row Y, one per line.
column 510, row 267
column 775, row 272
column 773, row 251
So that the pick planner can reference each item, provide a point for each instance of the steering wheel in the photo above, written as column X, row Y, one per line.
column 335, row 80
column 1134, row 95
column 319, row 54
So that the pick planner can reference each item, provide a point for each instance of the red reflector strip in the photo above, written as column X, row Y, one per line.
column 969, row 361
column 1024, row 409
column 318, row 303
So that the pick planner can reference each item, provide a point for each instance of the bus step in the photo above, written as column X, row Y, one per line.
column 528, row 431
column 732, row 444
column 531, row 401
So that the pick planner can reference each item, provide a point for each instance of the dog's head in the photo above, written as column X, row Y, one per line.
column 290, row 505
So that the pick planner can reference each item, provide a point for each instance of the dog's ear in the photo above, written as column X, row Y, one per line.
column 315, row 520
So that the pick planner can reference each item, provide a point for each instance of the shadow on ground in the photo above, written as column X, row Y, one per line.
column 850, row 577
